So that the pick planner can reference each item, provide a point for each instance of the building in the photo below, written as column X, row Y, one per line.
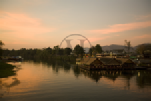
column 107, row 63
column 126, row 63
column 117, row 52
column 92, row 64
column 110, row 63
column 144, row 62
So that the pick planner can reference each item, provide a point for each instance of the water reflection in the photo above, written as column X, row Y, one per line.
column 38, row 77
column 8, row 79
column 5, row 85
column 143, row 77
column 56, row 65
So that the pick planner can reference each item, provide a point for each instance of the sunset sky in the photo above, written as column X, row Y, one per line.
column 45, row 23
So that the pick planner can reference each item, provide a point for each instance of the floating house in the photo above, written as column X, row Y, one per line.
column 126, row 63
column 100, row 63
column 92, row 63
column 107, row 63
column 110, row 63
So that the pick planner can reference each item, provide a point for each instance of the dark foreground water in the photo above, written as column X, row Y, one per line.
column 47, row 81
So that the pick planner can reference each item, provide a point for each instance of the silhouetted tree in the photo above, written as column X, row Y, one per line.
column 98, row 48
column 128, row 45
column 141, row 48
column 67, row 51
column 78, row 50
column 90, row 51
column 49, row 50
column 1, row 44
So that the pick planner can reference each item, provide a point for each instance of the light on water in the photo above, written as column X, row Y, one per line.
column 40, row 81
column 138, row 73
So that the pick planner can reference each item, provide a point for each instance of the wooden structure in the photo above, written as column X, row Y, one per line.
column 78, row 61
column 126, row 63
column 92, row 64
column 107, row 63
column 100, row 64
column 144, row 62
column 110, row 63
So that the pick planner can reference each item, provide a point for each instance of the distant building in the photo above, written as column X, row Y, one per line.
column 144, row 62
column 111, row 53
column 147, row 54
column 117, row 52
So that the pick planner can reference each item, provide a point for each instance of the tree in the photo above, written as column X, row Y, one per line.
column 98, row 48
column 140, row 49
column 60, row 51
column 55, row 50
column 94, row 51
column 67, row 51
column 148, row 47
column 90, row 51
column 144, row 49
column 128, row 45
column 78, row 50
column 49, row 50
column 1, row 44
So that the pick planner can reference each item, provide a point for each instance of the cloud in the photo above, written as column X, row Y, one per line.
column 117, row 35
column 93, row 39
column 143, row 36
column 122, row 27
column 21, row 25
column 144, row 17
column 16, row 42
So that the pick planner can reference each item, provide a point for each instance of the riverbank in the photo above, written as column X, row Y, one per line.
column 6, row 70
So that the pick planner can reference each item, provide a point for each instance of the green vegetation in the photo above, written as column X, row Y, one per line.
column 1, row 44
column 95, row 49
column 98, row 48
column 45, row 53
column 6, row 70
column 128, row 46
column 142, row 48
column 79, row 51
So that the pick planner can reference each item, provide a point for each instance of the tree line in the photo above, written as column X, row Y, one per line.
column 78, row 51
column 62, row 53
column 46, row 53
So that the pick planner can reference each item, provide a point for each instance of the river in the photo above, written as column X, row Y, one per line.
column 59, row 81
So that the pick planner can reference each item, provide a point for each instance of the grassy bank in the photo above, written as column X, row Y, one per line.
column 6, row 70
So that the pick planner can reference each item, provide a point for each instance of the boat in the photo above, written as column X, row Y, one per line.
column 15, row 58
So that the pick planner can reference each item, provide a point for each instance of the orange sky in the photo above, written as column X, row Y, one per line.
column 39, row 24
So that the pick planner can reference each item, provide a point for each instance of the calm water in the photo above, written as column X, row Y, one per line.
column 49, row 81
